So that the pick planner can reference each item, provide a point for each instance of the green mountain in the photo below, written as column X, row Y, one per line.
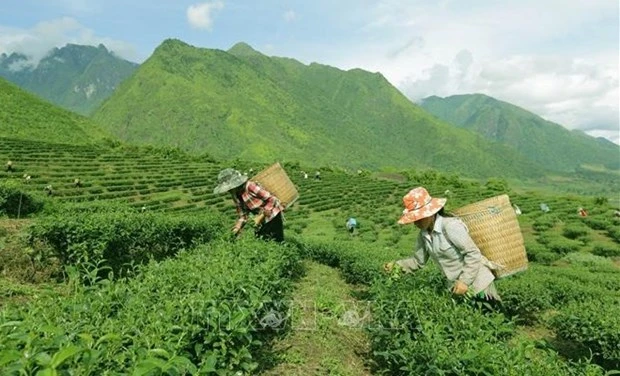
column 542, row 141
column 74, row 77
column 241, row 103
column 26, row 116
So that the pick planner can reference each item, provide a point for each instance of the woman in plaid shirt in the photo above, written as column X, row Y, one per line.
column 250, row 197
column 446, row 240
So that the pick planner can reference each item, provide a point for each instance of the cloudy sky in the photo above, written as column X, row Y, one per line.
column 557, row 58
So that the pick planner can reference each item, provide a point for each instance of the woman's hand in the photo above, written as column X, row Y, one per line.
column 393, row 271
column 258, row 220
column 460, row 288
column 388, row 266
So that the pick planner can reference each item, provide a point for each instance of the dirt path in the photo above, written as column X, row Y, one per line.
column 21, row 278
column 21, row 261
column 326, row 336
column 13, row 260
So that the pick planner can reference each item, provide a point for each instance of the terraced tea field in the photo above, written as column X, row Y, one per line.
column 164, row 290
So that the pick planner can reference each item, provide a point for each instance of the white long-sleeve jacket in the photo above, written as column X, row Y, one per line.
column 450, row 245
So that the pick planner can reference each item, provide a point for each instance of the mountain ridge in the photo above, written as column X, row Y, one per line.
column 75, row 77
column 251, row 106
column 542, row 141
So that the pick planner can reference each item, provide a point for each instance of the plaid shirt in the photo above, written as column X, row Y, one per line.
column 257, row 200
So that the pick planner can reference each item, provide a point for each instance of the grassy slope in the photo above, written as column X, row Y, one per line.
column 26, row 116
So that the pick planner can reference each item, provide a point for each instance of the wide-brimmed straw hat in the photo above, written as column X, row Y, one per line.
column 228, row 179
column 419, row 204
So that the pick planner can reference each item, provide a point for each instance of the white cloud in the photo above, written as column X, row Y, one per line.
column 289, row 16
column 576, row 93
column 555, row 58
column 36, row 42
column 200, row 16
column 613, row 136
column 19, row 65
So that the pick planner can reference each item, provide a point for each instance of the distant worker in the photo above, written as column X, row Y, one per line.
column 317, row 175
column 617, row 213
column 545, row 208
column 517, row 209
column 250, row 197
column 305, row 175
column 49, row 189
column 351, row 225
column 77, row 183
column 359, row 172
column 9, row 166
column 582, row 212
column 27, row 178
column 143, row 208
column 251, row 171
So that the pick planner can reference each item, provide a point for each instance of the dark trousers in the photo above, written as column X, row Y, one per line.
column 272, row 230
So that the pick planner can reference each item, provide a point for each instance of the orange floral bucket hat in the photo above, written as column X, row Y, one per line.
column 419, row 204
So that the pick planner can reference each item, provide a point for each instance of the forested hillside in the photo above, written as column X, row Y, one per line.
column 535, row 138
column 244, row 104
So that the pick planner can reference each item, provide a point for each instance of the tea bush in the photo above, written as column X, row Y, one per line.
column 614, row 233
column 575, row 231
column 589, row 259
column 544, row 222
column 208, row 311
column 540, row 253
column 546, row 257
column 358, row 262
column 418, row 328
column 122, row 237
column 17, row 202
column 597, row 223
column 560, row 245
column 524, row 298
column 582, row 281
column 594, row 324
column 606, row 250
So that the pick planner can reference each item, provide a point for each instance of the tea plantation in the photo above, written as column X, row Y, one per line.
column 134, row 272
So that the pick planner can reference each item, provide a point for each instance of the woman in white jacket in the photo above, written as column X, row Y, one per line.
column 446, row 240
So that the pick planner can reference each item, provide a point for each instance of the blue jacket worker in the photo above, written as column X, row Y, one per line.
column 351, row 225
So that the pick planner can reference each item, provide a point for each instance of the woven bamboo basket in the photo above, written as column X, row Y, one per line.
column 494, row 228
column 275, row 180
